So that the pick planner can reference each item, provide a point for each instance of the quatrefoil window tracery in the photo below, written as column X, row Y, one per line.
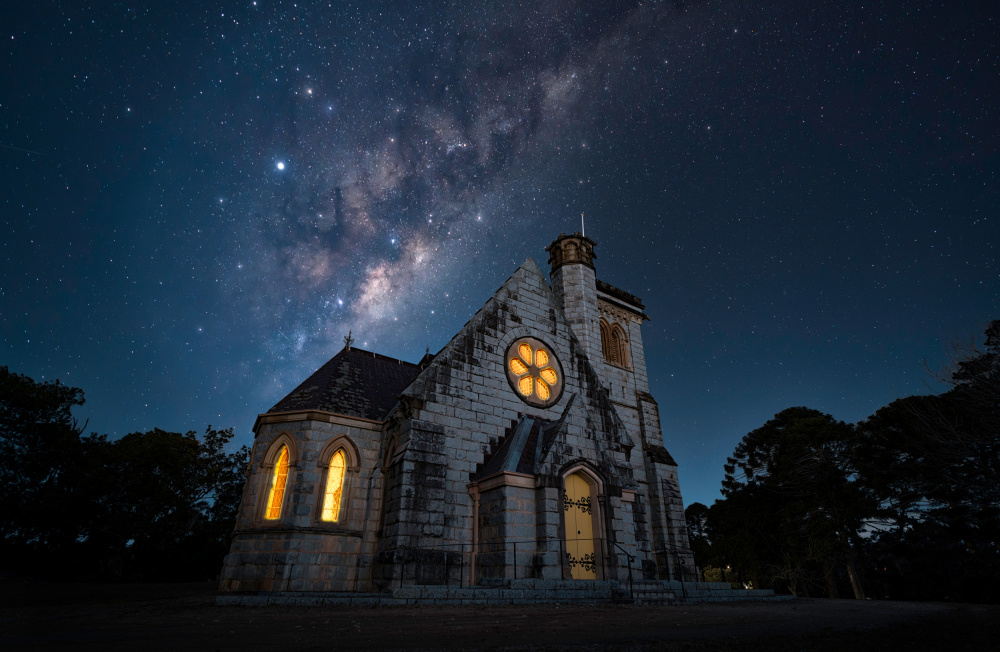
column 534, row 372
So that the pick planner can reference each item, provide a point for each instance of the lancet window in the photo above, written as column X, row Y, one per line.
column 333, row 495
column 279, row 478
column 614, row 344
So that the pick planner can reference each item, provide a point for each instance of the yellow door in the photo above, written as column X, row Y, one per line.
column 579, row 529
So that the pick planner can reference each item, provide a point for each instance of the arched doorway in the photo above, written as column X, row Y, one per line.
column 579, row 509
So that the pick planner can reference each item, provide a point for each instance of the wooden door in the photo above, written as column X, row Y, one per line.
column 579, row 528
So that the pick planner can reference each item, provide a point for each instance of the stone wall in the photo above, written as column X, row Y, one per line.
column 298, row 551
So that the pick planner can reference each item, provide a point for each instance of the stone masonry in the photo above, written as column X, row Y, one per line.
column 455, row 473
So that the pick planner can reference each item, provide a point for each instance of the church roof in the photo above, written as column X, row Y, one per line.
column 354, row 382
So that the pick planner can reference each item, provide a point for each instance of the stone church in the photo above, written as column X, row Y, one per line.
column 528, row 447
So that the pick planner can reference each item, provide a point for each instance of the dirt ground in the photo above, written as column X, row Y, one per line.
column 46, row 616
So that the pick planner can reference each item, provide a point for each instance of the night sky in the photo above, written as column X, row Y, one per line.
column 198, row 203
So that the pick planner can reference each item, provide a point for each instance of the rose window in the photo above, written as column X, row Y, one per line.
column 534, row 372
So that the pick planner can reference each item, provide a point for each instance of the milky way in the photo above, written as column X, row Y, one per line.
column 200, row 204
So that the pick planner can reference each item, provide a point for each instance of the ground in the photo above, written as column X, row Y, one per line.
column 45, row 616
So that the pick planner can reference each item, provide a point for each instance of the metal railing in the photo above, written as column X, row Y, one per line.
column 466, row 564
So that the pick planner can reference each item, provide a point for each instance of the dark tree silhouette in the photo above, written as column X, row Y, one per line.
column 795, row 475
column 932, row 462
column 155, row 505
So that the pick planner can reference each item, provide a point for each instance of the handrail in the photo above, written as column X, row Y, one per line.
column 444, row 555
column 631, row 591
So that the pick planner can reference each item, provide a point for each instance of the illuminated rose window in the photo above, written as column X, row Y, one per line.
column 534, row 372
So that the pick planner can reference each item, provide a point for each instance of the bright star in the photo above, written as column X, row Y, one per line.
column 281, row 165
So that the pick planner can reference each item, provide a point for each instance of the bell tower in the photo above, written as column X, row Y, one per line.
column 574, row 282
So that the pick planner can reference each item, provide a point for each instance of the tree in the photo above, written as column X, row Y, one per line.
column 696, row 516
column 153, row 505
column 794, row 474
column 932, row 462
column 166, row 502
column 40, row 453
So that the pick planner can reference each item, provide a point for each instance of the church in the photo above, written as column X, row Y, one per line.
column 529, row 447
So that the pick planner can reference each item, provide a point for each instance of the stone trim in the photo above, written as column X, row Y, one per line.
column 291, row 529
column 505, row 479
column 337, row 442
column 628, row 496
column 315, row 415
column 647, row 397
column 659, row 454
column 620, row 312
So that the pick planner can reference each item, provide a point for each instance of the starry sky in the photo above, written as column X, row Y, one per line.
column 199, row 200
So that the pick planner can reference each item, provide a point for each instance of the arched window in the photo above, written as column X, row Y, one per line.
column 619, row 344
column 606, row 347
column 614, row 344
column 334, row 487
column 338, row 465
column 279, row 479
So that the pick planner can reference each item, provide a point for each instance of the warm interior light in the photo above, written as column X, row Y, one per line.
column 277, row 494
column 541, row 358
column 518, row 367
column 334, row 488
column 548, row 374
column 532, row 372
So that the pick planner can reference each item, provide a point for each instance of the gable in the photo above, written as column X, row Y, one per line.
column 466, row 387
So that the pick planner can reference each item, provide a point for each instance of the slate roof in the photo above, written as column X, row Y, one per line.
column 524, row 445
column 354, row 382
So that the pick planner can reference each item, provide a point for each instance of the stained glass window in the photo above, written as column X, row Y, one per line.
column 278, row 481
column 334, row 487
column 533, row 372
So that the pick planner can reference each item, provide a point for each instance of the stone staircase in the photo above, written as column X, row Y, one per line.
column 520, row 591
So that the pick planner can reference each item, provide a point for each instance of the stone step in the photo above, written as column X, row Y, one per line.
column 520, row 591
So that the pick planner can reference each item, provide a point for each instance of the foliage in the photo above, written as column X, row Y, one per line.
column 40, row 448
column 932, row 463
column 157, row 505
column 906, row 502
column 696, row 516
column 795, row 474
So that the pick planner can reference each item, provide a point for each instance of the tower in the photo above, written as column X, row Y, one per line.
column 574, row 283
column 608, row 323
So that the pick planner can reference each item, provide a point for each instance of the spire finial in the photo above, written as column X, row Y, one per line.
column 583, row 229
column 347, row 340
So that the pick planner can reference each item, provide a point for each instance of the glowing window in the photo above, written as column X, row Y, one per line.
column 533, row 371
column 278, row 481
column 334, row 488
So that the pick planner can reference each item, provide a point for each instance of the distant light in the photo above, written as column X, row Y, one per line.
column 281, row 165
column 340, row 302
